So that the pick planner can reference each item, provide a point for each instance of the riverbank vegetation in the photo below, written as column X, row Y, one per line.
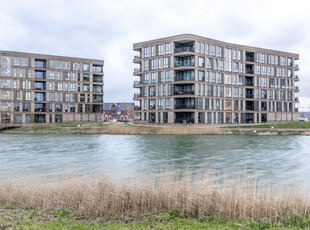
column 16, row 218
column 116, row 128
column 290, row 128
column 149, row 201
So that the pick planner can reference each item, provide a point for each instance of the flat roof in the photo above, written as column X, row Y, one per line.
column 182, row 37
column 47, row 56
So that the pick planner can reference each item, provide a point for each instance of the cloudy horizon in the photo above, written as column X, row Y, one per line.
column 107, row 30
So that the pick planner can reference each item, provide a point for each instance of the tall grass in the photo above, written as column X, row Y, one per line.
column 196, row 196
column 152, row 130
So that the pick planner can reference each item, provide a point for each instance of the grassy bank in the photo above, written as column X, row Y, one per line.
column 288, row 125
column 191, row 198
column 15, row 218
column 116, row 128
column 291, row 128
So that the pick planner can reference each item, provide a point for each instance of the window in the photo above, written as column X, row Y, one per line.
column 201, row 75
column 212, row 77
column 59, row 86
column 236, row 69
column 52, row 75
column 168, row 76
column 201, row 62
column 258, row 68
column 67, row 97
column 168, row 103
column 219, row 78
column 59, row 66
column 25, row 61
column 160, row 103
column 160, row 49
column 221, row 65
column 228, row 79
column 236, row 92
column 15, row 84
column 264, row 82
column 153, row 64
column 159, row 90
column 145, row 65
column 166, row 62
column 168, row 48
column 153, row 77
column 265, row 70
column 264, row 94
column 279, row 72
column 146, row 52
column 72, row 86
column 85, row 67
column 16, row 61
column 283, row 61
column 52, row 64
column 6, row 66
column 262, row 58
column 212, row 50
column 52, row 96
column 198, row 47
column 227, row 59
column 219, row 51
column 289, row 62
column 152, row 91
column 159, row 63
column 271, row 82
column 209, row 63
column 146, row 78
column 200, row 105
column 28, row 96
column 152, row 104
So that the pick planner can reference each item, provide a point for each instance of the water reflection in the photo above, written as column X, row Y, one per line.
column 283, row 158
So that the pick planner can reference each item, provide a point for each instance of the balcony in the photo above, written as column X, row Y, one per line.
column 296, row 89
column 40, row 75
column 296, row 78
column 184, row 61
column 184, row 106
column 296, row 100
column 97, row 100
column 184, row 92
column 136, row 95
column 249, row 81
column 137, row 57
column 152, row 107
column 137, row 70
column 249, row 56
column 137, row 82
column 296, row 109
column 137, row 108
column 249, row 69
column 184, row 47
column 296, row 67
column 40, row 63
column 97, row 68
column 97, row 78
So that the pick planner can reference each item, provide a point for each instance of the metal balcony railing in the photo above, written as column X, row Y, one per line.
column 137, row 95
column 136, row 70
column 182, row 92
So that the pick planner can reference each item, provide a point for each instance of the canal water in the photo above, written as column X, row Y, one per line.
column 284, row 159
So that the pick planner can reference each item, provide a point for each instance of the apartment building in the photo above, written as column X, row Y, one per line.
column 193, row 79
column 38, row 88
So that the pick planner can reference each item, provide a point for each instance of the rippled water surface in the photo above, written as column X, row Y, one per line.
column 285, row 158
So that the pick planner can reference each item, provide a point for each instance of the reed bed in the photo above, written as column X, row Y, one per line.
column 151, row 130
column 193, row 196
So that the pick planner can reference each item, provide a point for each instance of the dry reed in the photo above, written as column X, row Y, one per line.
column 152, row 130
column 193, row 196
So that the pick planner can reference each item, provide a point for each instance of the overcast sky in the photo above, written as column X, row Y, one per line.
column 105, row 29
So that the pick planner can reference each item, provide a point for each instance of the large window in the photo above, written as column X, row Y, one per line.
column 6, row 66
